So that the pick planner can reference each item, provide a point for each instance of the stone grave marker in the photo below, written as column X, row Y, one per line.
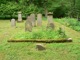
column 33, row 20
column 13, row 23
column 40, row 47
column 50, row 20
column 39, row 19
column 28, row 24
column 19, row 17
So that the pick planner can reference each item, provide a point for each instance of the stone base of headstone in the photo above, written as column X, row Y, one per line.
column 40, row 47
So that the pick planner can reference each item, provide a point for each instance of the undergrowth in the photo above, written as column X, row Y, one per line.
column 41, row 34
column 70, row 22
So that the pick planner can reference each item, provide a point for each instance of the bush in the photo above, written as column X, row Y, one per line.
column 60, row 12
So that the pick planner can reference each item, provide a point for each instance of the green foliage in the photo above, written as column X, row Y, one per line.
column 41, row 34
column 9, row 9
column 70, row 22
column 60, row 11
column 60, row 8
column 29, row 9
column 61, row 33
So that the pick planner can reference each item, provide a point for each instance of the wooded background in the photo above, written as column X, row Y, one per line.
column 60, row 8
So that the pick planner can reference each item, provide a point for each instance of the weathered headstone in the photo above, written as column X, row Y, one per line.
column 50, row 20
column 40, row 47
column 13, row 23
column 33, row 20
column 28, row 24
column 19, row 17
column 39, row 19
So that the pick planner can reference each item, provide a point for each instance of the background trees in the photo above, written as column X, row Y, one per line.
column 60, row 8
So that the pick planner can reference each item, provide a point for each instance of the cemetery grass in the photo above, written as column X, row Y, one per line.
column 70, row 22
column 27, row 51
column 40, row 33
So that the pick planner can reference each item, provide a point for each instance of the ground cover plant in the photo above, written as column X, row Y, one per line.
column 27, row 51
column 41, row 33
column 70, row 22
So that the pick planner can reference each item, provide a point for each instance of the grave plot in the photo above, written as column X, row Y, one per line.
column 45, row 33
column 41, row 36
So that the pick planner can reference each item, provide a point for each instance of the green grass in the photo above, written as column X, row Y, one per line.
column 27, row 51
column 40, row 33
column 70, row 22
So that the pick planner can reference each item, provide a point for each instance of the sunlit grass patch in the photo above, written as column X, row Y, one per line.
column 40, row 34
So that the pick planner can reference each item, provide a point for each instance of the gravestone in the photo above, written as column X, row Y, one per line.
column 19, row 17
column 28, row 24
column 50, row 20
column 13, row 23
column 33, row 20
column 39, row 19
column 40, row 47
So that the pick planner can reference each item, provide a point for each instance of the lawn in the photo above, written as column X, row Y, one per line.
column 70, row 22
column 27, row 51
